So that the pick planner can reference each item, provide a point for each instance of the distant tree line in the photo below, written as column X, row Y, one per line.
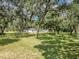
column 47, row 14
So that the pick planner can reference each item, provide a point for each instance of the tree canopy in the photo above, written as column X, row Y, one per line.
column 58, row 15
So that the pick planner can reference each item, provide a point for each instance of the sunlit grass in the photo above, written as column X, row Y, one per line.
column 22, row 48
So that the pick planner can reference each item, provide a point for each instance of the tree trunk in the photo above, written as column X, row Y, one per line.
column 37, row 31
column 1, row 30
column 77, row 30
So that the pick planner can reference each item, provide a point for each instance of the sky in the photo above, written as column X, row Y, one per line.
column 8, row 5
column 35, row 18
column 67, row 2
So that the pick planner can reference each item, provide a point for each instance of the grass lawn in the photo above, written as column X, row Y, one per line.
column 48, row 46
column 19, row 47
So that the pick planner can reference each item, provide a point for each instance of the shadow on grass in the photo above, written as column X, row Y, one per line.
column 17, row 35
column 7, row 41
column 20, row 35
column 58, row 47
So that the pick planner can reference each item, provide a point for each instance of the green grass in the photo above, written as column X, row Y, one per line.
column 59, row 46
column 47, row 46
